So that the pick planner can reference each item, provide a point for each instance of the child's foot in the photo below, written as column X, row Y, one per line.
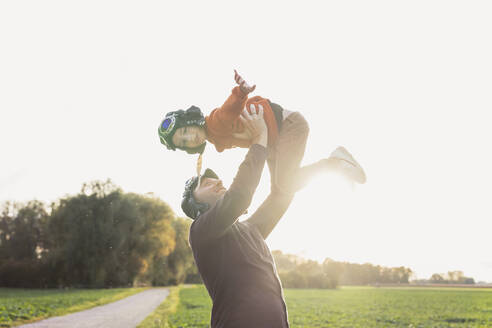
column 348, row 165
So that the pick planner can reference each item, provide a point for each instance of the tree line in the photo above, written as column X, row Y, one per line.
column 297, row 272
column 103, row 237
column 451, row 277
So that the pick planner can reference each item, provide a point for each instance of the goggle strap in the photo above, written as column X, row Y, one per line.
column 199, row 168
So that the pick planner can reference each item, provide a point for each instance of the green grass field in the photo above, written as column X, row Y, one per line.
column 361, row 307
column 26, row 305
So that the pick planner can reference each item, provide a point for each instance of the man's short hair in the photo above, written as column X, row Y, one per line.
column 189, row 204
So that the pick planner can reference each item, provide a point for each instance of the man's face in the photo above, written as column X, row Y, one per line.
column 209, row 191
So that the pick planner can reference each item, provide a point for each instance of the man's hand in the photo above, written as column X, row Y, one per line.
column 245, row 87
column 255, row 125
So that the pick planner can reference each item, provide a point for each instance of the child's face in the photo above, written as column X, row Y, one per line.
column 189, row 137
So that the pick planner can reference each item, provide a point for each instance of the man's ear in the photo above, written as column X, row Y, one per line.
column 193, row 193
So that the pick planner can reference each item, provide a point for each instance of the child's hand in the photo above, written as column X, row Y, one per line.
column 245, row 87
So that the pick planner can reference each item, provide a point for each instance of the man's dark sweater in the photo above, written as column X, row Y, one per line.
column 233, row 258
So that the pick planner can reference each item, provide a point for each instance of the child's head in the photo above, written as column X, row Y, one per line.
column 184, row 130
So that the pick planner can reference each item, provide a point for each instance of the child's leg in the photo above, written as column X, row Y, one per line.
column 285, row 158
column 286, row 176
column 340, row 161
column 283, row 161
column 305, row 173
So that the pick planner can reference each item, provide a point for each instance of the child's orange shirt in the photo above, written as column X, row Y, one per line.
column 224, row 121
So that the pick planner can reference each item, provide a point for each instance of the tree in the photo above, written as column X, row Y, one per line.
column 455, row 276
column 174, row 268
column 333, row 271
column 103, row 237
column 436, row 278
column 21, row 230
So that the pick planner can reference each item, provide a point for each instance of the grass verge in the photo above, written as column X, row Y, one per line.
column 160, row 317
column 20, row 306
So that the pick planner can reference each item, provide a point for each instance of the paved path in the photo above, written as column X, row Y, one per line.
column 125, row 313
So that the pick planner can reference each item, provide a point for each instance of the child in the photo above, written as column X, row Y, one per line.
column 188, row 130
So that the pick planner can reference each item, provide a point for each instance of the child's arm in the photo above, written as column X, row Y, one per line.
column 234, row 105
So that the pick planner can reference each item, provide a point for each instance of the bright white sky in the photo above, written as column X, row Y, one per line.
column 404, row 86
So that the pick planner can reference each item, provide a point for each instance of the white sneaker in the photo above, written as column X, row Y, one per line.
column 349, row 166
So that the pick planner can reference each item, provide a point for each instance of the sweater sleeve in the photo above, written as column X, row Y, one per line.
column 226, row 115
column 215, row 222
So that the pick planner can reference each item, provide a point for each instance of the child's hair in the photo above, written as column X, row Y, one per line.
column 177, row 119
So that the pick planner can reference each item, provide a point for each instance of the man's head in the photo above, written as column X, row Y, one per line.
column 184, row 129
column 198, row 198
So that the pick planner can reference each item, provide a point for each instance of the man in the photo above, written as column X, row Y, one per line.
column 232, row 257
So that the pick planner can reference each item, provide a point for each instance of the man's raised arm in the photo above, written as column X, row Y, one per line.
column 215, row 222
